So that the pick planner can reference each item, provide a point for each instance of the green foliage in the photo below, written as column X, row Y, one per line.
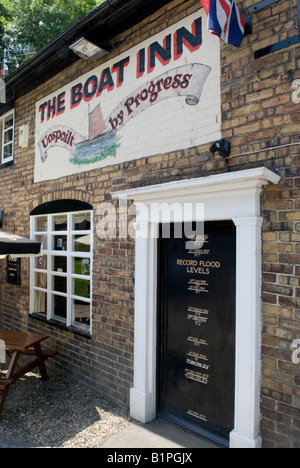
column 4, row 17
column 29, row 25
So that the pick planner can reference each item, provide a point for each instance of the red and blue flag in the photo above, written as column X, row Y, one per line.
column 225, row 20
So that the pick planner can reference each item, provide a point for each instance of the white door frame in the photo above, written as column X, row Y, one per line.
column 231, row 196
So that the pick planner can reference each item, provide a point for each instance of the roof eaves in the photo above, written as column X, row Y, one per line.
column 113, row 16
column 64, row 38
column 112, row 13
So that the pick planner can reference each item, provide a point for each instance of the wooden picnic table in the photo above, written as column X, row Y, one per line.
column 18, row 344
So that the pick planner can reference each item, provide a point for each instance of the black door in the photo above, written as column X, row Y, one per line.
column 197, row 331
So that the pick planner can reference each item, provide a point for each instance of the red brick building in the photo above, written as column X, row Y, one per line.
column 100, row 153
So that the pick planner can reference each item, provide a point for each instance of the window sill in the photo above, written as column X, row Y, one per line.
column 6, row 164
column 57, row 324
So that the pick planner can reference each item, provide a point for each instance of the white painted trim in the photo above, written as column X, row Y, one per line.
column 233, row 181
column 12, row 141
column 234, row 196
column 70, row 253
column 248, row 334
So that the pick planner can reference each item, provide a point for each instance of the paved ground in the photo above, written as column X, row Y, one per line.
column 157, row 434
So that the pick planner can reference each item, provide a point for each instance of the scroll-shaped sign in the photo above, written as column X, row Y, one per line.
column 187, row 81
column 2, row 352
column 59, row 136
column 296, row 354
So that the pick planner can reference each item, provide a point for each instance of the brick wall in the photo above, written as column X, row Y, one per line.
column 262, row 123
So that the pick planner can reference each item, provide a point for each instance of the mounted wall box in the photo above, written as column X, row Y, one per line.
column 24, row 136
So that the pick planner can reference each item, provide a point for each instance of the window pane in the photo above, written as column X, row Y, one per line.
column 41, row 223
column 9, row 121
column 82, row 222
column 59, row 284
column 60, row 264
column 81, row 314
column 40, row 280
column 60, row 243
column 60, row 223
column 81, row 287
column 41, row 262
column 40, row 302
column 60, row 308
column 82, row 243
column 8, row 136
column 43, row 240
column 7, row 151
column 81, row 266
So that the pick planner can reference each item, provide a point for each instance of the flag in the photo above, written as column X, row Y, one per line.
column 225, row 20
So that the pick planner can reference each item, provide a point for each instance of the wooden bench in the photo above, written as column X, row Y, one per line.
column 18, row 344
column 46, row 353
column 4, row 383
column 4, row 388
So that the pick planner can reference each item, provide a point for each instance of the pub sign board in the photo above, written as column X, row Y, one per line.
column 13, row 270
column 160, row 96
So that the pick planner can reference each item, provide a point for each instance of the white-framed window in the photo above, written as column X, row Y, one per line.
column 7, row 132
column 61, row 280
